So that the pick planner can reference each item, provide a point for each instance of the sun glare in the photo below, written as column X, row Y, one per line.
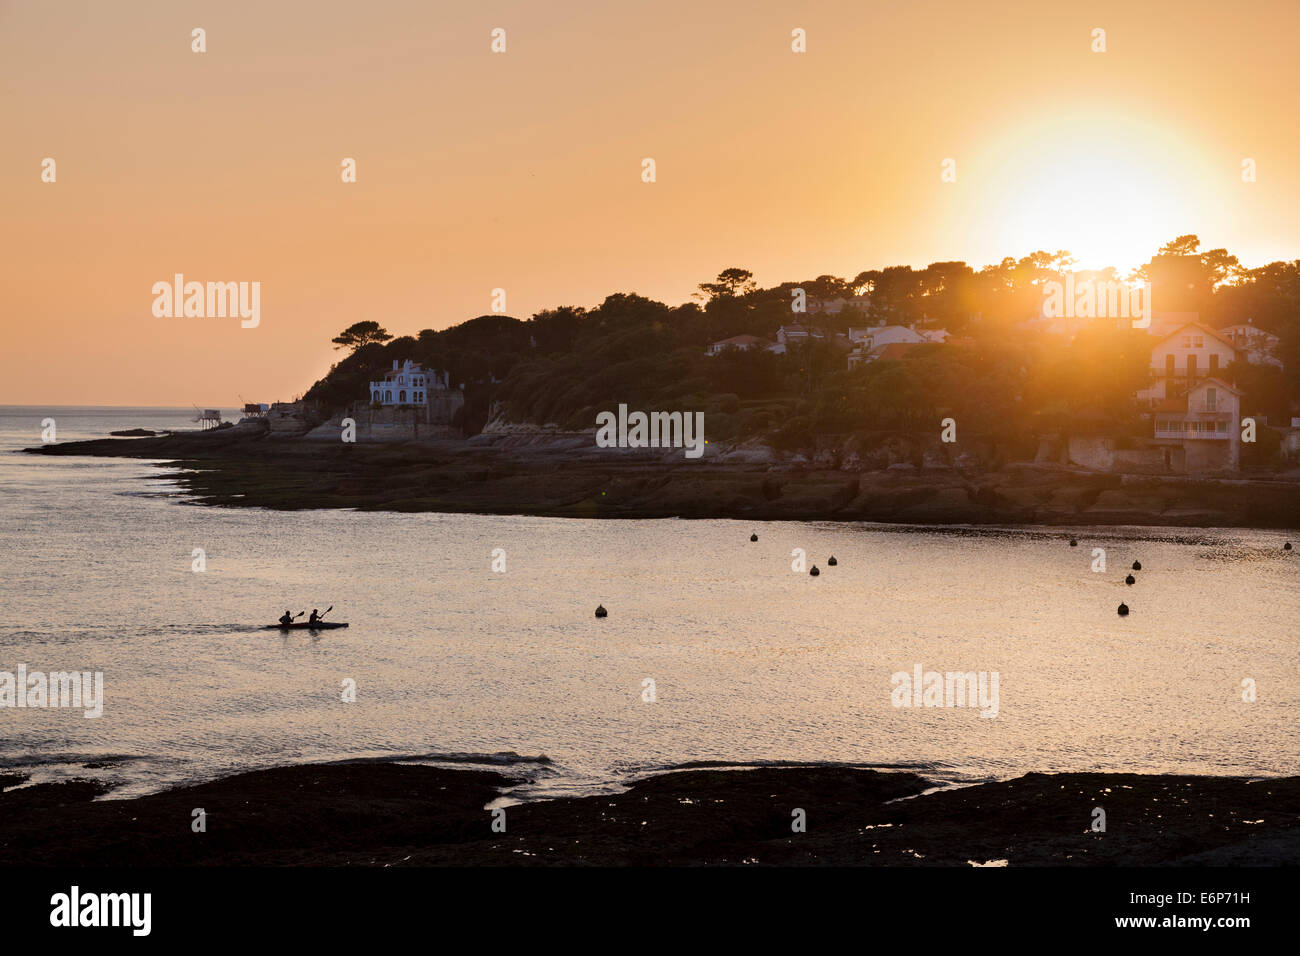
column 1110, row 192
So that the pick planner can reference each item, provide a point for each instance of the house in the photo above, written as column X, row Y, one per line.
column 1191, row 352
column 1257, row 346
column 742, row 342
column 870, row 343
column 1205, row 424
column 879, row 335
column 839, row 304
column 1196, row 413
column 795, row 335
column 408, row 384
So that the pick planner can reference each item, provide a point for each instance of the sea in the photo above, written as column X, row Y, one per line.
column 473, row 639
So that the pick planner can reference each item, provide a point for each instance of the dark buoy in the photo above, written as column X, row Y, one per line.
column 1287, row 546
column 814, row 572
column 1074, row 542
column 832, row 562
column 1130, row 579
column 1123, row 610
column 1137, row 565
column 600, row 610
column 753, row 537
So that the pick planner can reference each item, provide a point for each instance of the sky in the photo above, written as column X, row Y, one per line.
column 522, row 170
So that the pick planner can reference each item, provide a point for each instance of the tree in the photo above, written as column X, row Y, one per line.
column 359, row 335
column 730, row 283
column 1182, row 246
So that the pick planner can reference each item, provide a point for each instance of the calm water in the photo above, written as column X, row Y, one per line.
column 751, row 661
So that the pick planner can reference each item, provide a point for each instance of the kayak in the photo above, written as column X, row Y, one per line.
column 304, row 626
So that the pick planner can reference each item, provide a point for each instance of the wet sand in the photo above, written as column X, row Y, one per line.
column 385, row 814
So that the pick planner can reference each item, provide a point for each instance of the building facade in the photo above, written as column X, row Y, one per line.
column 408, row 384
column 1195, row 411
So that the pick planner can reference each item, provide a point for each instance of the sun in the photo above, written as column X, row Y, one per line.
column 1110, row 190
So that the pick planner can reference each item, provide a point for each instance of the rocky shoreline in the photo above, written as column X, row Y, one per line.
column 566, row 478
column 388, row 814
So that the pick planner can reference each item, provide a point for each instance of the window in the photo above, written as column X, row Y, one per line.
column 1198, row 341
column 1211, row 399
column 1214, row 362
column 1187, row 341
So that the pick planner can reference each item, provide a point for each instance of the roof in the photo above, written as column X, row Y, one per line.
column 1215, row 381
column 1196, row 325
column 1247, row 327
column 739, row 340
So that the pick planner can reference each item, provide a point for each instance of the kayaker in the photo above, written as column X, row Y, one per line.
column 314, row 617
column 287, row 619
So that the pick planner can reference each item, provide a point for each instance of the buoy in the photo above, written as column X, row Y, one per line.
column 814, row 572
column 753, row 537
column 600, row 610
column 1130, row 579
column 1074, row 542
column 1287, row 546
column 1137, row 565
column 832, row 562
column 1123, row 610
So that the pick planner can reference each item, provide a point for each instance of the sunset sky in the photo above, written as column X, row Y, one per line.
column 522, row 170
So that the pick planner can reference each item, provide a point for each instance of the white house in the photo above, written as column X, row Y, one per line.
column 1191, row 352
column 1258, row 347
column 1205, row 422
column 1194, row 408
column 879, row 335
column 795, row 335
column 408, row 384
column 742, row 342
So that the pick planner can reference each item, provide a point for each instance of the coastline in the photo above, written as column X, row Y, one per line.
column 239, row 470
column 391, row 814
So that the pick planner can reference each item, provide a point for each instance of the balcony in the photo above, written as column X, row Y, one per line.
column 1200, row 430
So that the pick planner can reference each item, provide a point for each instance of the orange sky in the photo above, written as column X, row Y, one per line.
column 522, row 170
